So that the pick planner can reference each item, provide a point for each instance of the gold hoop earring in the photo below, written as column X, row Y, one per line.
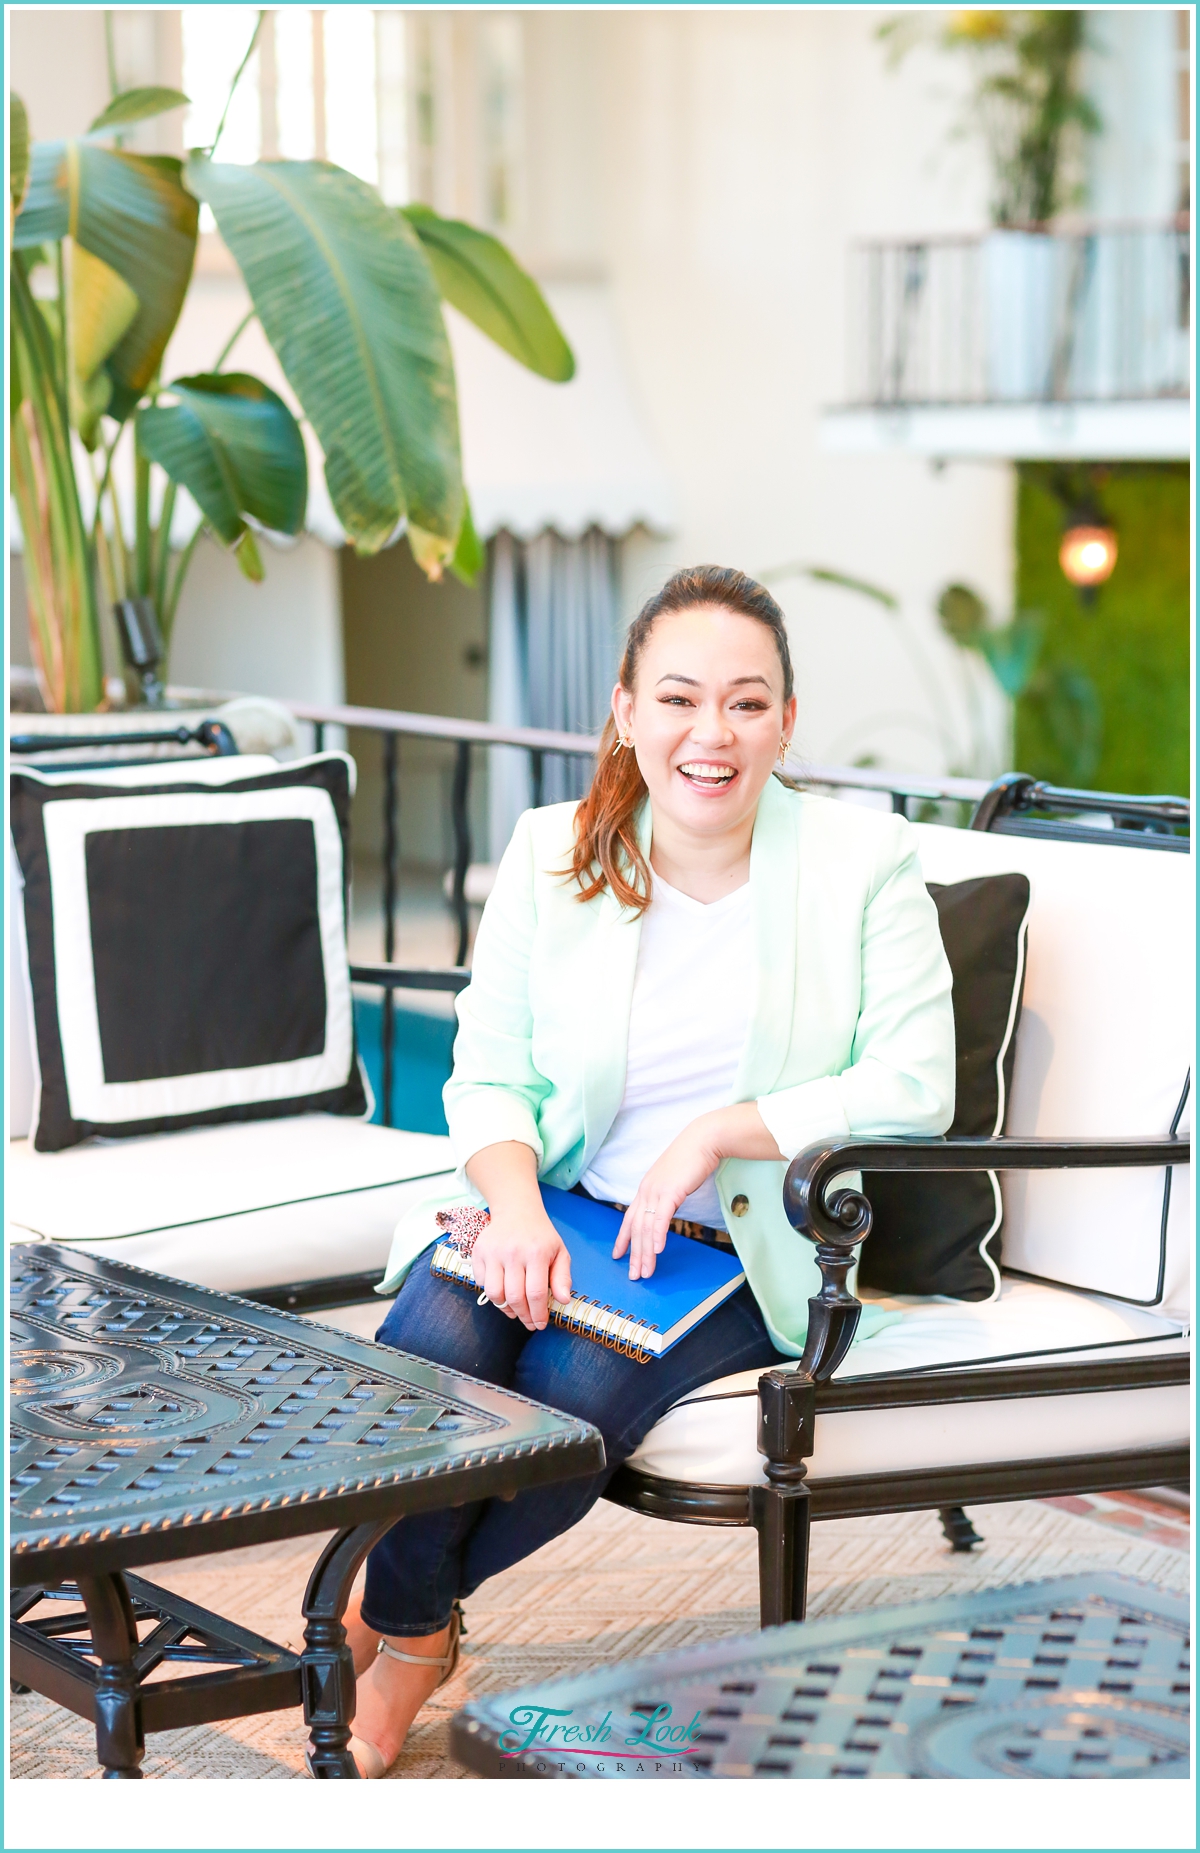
column 784, row 745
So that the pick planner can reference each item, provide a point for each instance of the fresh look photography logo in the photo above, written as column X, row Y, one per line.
column 648, row 1741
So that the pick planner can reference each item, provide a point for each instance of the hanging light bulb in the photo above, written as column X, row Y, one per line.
column 1088, row 554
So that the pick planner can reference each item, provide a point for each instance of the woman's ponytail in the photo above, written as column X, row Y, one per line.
column 607, row 854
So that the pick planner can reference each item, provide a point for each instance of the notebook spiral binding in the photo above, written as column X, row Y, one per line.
column 585, row 1317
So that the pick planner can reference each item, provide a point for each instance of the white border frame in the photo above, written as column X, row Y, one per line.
column 68, row 824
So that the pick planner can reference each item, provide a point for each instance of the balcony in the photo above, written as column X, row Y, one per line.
column 1021, row 343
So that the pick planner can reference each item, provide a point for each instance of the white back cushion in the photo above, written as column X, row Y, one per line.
column 1103, row 1051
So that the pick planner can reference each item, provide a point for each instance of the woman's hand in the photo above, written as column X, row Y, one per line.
column 520, row 1260
column 730, row 1132
column 683, row 1167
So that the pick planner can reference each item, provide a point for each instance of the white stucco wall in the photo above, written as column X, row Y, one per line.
column 281, row 638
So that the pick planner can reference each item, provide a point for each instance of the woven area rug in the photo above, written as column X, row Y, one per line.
column 616, row 1587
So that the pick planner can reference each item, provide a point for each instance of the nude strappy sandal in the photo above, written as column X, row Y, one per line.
column 368, row 1757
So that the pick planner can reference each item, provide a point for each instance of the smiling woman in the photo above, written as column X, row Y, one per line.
column 679, row 983
column 722, row 729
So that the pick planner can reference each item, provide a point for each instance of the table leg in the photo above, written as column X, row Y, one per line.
column 120, row 1738
column 327, row 1665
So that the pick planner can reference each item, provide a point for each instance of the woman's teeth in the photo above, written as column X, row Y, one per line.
column 708, row 775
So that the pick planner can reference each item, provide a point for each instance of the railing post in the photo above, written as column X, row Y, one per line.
column 389, row 912
column 318, row 736
column 462, row 843
column 537, row 768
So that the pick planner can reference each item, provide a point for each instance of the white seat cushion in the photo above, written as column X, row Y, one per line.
column 710, row 1436
column 252, row 1204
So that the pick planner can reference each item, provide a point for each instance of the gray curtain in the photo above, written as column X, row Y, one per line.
column 553, row 657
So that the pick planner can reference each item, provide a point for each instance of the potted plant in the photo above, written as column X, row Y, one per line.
column 1028, row 103
column 349, row 293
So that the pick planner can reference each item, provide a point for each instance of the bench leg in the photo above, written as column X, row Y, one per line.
column 781, row 1516
column 958, row 1530
column 120, row 1738
column 327, row 1665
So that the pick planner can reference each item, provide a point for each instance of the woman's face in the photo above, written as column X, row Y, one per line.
column 706, row 717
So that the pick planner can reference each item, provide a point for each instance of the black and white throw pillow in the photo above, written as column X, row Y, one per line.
column 939, row 1232
column 186, row 946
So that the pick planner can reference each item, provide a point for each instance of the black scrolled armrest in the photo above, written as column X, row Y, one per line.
column 837, row 1224
column 810, row 1173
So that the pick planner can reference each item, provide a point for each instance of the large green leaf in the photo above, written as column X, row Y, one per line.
column 470, row 556
column 1012, row 650
column 347, row 300
column 962, row 615
column 234, row 445
column 136, row 106
column 18, row 150
column 486, row 284
column 101, row 308
column 134, row 213
column 44, row 216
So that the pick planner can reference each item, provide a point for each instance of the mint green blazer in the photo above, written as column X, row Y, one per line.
column 851, row 1028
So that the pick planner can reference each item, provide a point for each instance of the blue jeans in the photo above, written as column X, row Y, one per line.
column 427, row 1562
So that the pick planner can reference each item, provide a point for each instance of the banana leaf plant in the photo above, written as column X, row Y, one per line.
column 349, row 293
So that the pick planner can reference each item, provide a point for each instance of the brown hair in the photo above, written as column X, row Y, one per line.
column 606, row 853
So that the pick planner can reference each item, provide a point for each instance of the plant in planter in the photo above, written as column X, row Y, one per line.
column 1026, row 100
column 349, row 293
column 1028, row 103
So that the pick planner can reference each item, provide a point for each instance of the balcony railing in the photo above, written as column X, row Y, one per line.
column 1088, row 313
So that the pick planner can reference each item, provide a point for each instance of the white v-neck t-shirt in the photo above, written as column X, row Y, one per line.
column 687, row 1029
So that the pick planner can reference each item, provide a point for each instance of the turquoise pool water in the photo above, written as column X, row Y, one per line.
column 421, row 1046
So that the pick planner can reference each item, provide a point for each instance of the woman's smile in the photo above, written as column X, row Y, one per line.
column 708, row 775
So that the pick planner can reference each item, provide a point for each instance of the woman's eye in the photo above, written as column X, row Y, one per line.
column 675, row 701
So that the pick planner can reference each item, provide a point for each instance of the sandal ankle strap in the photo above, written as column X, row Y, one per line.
column 394, row 1653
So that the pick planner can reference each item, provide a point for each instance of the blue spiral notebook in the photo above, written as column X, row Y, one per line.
column 640, row 1318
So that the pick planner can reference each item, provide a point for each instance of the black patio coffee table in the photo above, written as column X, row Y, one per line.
column 1075, row 1676
column 153, row 1420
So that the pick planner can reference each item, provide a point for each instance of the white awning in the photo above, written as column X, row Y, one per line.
column 569, row 457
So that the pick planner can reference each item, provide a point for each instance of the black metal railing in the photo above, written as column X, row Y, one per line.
column 1086, row 312
column 392, row 726
column 211, row 737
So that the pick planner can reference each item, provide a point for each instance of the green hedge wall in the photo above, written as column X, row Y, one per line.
column 1132, row 642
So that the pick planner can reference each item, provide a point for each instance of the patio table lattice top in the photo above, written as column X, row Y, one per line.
column 142, row 1409
column 1071, row 1677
